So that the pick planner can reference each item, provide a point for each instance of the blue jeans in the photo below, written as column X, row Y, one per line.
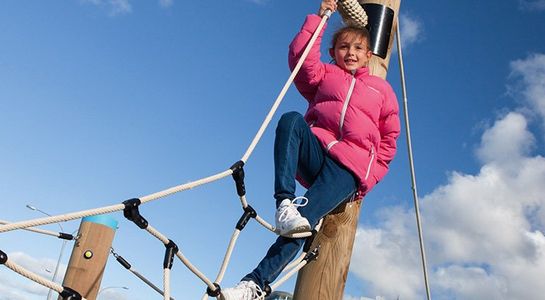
column 298, row 152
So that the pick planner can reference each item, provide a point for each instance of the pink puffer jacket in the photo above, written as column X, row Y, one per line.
column 359, row 130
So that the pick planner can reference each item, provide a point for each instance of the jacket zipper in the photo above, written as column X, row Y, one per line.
column 343, row 112
column 372, row 150
column 345, row 104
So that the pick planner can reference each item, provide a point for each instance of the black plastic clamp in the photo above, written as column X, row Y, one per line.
column 65, row 236
column 3, row 257
column 70, row 294
column 249, row 212
column 313, row 255
column 121, row 260
column 267, row 289
column 132, row 213
column 309, row 240
column 238, row 176
column 171, row 250
column 214, row 293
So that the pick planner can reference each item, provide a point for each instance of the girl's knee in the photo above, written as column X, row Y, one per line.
column 287, row 120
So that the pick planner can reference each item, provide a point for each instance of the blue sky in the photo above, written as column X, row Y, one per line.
column 101, row 101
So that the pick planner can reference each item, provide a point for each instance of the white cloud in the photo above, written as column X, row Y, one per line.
column 121, row 7
column 484, row 232
column 507, row 142
column 532, row 4
column 166, row 3
column 115, row 7
column 111, row 293
column 259, row 1
column 411, row 30
column 20, row 289
column 529, row 82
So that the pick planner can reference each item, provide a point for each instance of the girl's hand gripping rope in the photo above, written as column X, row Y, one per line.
column 327, row 7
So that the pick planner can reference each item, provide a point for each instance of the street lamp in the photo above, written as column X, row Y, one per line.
column 50, row 293
column 111, row 287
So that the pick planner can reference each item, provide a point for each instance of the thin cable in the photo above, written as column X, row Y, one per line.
column 36, row 230
column 411, row 162
column 149, row 283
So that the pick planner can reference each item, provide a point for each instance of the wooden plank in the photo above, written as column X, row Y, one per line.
column 89, row 256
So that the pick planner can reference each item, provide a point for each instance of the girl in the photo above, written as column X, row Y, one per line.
column 339, row 150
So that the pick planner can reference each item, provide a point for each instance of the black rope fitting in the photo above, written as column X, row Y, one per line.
column 3, row 257
column 214, row 293
column 238, row 176
column 309, row 240
column 267, row 289
column 120, row 259
column 313, row 255
column 171, row 250
column 249, row 212
column 70, row 294
column 123, row 262
column 132, row 214
column 65, row 236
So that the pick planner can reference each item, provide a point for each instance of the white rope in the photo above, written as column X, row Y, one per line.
column 187, row 186
column 295, row 262
column 180, row 255
column 411, row 162
column 227, row 257
column 166, row 283
column 34, row 277
column 278, row 100
column 176, row 189
column 61, row 218
column 288, row 275
column 112, row 208
column 36, row 230
column 352, row 13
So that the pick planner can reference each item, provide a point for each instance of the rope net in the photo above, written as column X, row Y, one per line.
column 352, row 13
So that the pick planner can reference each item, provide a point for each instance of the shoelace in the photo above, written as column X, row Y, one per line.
column 287, row 212
column 257, row 292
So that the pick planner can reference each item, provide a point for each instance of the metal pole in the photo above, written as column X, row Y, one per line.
column 411, row 163
column 56, row 272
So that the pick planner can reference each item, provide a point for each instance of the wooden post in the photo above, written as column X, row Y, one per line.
column 325, row 278
column 89, row 256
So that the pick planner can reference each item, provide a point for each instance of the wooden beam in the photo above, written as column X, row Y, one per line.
column 89, row 255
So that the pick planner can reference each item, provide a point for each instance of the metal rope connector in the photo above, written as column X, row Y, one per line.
column 70, row 294
column 312, row 255
column 238, row 176
column 171, row 250
column 66, row 236
column 214, row 293
column 309, row 240
column 132, row 213
column 3, row 257
column 249, row 212
column 267, row 289
column 120, row 259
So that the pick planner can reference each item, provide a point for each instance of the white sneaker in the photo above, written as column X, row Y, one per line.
column 288, row 218
column 244, row 290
